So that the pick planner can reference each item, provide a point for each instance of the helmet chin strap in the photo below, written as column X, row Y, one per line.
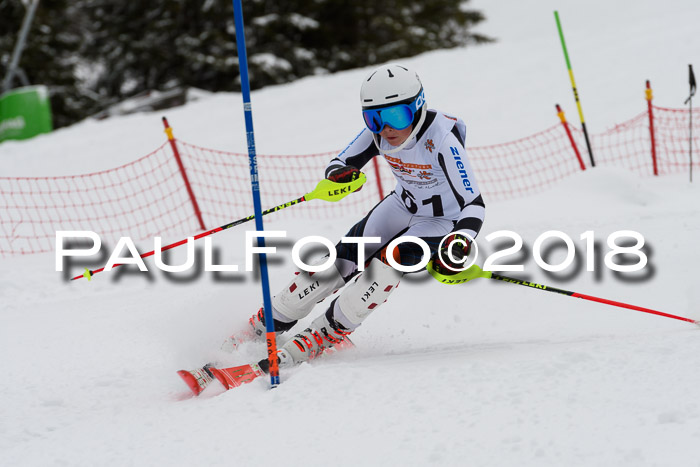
column 410, row 137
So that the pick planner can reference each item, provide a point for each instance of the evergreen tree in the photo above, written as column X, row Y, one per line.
column 93, row 53
column 50, row 56
column 159, row 44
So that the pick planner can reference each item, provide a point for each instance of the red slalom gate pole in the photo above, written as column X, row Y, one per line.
column 560, row 113
column 379, row 178
column 649, row 97
column 173, row 145
column 546, row 288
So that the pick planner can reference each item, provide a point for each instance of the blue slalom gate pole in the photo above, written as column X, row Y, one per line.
column 248, row 112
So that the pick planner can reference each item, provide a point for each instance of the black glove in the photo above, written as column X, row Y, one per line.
column 344, row 174
column 459, row 246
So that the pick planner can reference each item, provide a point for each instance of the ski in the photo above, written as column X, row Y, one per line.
column 199, row 379
column 238, row 375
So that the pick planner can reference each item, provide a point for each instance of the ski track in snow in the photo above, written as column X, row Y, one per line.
column 483, row 374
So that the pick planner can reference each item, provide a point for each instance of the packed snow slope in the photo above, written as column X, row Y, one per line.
column 484, row 373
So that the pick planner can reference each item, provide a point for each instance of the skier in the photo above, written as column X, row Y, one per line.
column 436, row 196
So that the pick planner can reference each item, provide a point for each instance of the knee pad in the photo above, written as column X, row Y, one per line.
column 297, row 300
column 370, row 290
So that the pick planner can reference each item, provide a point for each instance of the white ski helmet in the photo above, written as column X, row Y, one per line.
column 390, row 86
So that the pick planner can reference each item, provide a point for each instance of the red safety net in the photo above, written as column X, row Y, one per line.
column 221, row 182
column 628, row 145
column 142, row 199
column 525, row 166
column 148, row 197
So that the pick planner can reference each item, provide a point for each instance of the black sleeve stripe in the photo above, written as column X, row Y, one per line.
column 478, row 201
column 359, row 160
column 469, row 223
column 460, row 200
column 458, row 136
column 429, row 119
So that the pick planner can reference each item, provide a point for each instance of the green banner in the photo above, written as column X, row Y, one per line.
column 25, row 113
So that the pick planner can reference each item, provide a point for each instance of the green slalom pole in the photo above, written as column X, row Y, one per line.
column 325, row 190
column 573, row 86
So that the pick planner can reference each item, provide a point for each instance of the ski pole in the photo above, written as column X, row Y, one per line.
column 325, row 190
column 475, row 272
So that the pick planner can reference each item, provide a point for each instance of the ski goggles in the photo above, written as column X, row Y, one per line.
column 399, row 116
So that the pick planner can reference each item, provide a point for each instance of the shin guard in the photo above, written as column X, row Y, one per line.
column 297, row 300
column 370, row 290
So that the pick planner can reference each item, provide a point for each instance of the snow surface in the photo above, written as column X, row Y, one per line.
column 482, row 374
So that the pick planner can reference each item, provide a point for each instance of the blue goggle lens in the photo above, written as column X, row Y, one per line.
column 399, row 117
